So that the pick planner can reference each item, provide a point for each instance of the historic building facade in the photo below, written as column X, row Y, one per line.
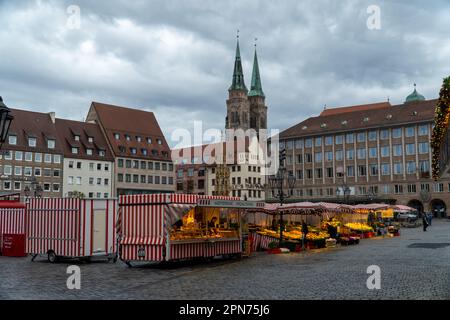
column 376, row 152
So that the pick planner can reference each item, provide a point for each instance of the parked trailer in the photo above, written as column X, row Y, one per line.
column 12, row 219
column 146, row 222
column 71, row 228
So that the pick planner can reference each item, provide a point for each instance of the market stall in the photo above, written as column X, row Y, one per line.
column 12, row 227
column 175, row 226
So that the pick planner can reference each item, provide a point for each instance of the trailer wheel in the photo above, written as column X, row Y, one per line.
column 52, row 257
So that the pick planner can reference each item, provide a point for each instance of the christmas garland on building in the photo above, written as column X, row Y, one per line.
column 441, row 124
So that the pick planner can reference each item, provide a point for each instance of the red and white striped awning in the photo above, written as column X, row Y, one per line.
column 149, row 240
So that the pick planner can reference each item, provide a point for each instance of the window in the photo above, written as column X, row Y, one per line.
column 361, row 137
column 329, row 140
column 99, row 166
column 384, row 151
column 159, row 141
column 164, row 166
column 299, row 174
column 149, row 140
column 7, row 170
column 38, row 157
column 398, row 188
column 56, row 158
column 319, row 173
column 396, row 133
column 119, row 177
column 171, row 167
column 350, row 154
column 157, row 166
column 384, row 134
column 28, row 171
column 424, row 187
column 78, row 180
column 91, row 181
column 56, row 187
column 361, row 153
column 410, row 149
column 77, row 137
column 128, row 178
column 318, row 142
column 133, row 150
column 349, row 138
column 157, row 179
column 37, row 172
column 51, row 143
column 299, row 144
column 17, row 171
column 135, row 178
column 12, row 139
column 150, row 166
column 329, row 156
column 423, row 130
column 330, row 172
column 106, row 195
column 150, row 179
column 424, row 147
column 91, row 195
column 48, row 158
column 143, row 179
column 350, row 171
column 90, row 139
column 386, row 189
column 101, row 153
column 74, row 150
column 47, row 172
column 289, row 144
column 144, row 152
column 410, row 167
column 339, row 139
column 409, row 132
column 339, row 155
column 373, row 136
column 17, row 186
column 373, row 153
column 385, row 169
column 89, row 152
column 362, row 171
column 19, row 155
column 163, row 180
column 32, row 142
column 308, row 143
column 190, row 172
column 397, row 150
column 308, row 173
column 106, row 167
column 412, row 188
column 116, row 136
column 398, row 168
column 318, row 157
column 138, row 139
column 79, row 164
column 120, row 163
column 438, row 187
column 424, row 167
column 28, row 156
column 99, row 181
column 127, row 137
column 99, row 195
column 8, row 155
column 6, row 185
column 308, row 157
column 373, row 169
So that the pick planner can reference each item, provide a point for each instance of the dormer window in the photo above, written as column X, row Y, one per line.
column 414, row 113
column 122, row 149
column 304, row 127
column 12, row 139
column 344, row 123
column 159, row 141
column 127, row 137
column 89, row 152
column 149, row 140
column 154, row 152
column 144, row 152
column 323, row 125
column 32, row 142
column 77, row 137
column 116, row 136
column 389, row 116
column 51, row 143
column 138, row 139
column 101, row 153
column 90, row 139
column 133, row 150
column 74, row 150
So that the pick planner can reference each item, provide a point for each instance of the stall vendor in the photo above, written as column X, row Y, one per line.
column 212, row 224
column 177, row 225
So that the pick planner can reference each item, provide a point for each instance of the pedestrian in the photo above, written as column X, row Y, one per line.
column 430, row 217
column 304, row 233
column 424, row 221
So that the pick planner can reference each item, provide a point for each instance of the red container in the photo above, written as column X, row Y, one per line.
column 13, row 245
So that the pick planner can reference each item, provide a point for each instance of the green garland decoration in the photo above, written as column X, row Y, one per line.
column 441, row 124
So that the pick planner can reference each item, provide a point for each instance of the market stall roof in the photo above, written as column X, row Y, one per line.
column 372, row 206
column 290, row 208
column 402, row 208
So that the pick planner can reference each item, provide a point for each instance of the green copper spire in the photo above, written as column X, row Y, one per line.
column 238, row 74
column 414, row 96
column 256, row 87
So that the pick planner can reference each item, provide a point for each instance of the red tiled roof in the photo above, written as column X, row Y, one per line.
column 67, row 129
column 363, row 107
column 135, row 123
column 411, row 112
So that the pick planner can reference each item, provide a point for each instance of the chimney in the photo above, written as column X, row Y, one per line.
column 52, row 116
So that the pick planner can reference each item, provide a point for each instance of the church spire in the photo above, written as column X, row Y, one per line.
column 256, row 87
column 238, row 74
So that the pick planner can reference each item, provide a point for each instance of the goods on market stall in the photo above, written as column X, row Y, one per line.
column 361, row 227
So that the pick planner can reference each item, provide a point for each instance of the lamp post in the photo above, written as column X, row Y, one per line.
column 5, row 121
column 344, row 187
column 277, row 182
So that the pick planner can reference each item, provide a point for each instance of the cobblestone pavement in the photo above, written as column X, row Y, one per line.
column 413, row 266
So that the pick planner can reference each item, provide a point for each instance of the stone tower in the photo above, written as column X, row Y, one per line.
column 246, row 110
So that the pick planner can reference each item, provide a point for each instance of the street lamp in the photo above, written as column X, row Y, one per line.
column 5, row 121
column 276, row 183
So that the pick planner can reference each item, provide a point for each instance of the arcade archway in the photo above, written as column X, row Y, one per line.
column 438, row 208
column 416, row 204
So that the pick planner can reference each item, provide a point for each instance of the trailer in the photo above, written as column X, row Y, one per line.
column 71, row 228
column 167, row 227
column 12, row 220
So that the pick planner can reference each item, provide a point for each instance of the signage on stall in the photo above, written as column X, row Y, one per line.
column 230, row 203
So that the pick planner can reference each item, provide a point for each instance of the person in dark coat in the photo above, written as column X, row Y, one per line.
column 424, row 221
column 304, row 233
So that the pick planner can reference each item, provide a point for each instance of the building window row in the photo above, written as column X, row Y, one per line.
column 144, row 165
column 32, row 157
column 144, row 179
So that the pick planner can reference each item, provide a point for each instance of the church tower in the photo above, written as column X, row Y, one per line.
column 257, row 99
column 238, row 106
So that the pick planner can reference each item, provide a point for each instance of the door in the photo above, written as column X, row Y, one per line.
column 99, row 231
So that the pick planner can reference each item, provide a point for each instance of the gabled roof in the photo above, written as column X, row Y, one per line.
column 363, row 118
column 362, row 107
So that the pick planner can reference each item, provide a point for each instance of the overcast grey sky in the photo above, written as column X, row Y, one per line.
column 176, row 57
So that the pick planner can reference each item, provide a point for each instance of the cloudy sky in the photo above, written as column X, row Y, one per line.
column 176, row 57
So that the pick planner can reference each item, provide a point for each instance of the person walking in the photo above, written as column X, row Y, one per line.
column 304, row 233
column 424, row 221
column 430, row 217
